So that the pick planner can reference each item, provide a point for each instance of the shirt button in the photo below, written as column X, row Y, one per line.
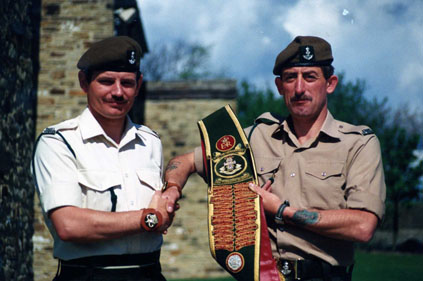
column 323, row 174
column 292, row 175
column 126, row 175
column 132, row 203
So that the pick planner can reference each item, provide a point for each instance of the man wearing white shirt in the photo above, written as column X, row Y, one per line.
column 99, row 175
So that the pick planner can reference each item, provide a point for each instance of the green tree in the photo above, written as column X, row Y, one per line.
column 252, row 102
column 178, row 60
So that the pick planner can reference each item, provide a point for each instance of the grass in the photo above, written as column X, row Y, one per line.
column 374, row 267
column 388, row 267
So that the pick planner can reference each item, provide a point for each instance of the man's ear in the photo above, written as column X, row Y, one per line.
column 278, row 82
column 83, row 81
column 139, row 84
column 331, row 84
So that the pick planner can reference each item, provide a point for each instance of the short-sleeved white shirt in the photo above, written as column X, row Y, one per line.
column 132, row 168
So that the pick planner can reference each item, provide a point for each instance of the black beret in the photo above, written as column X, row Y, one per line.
column 304, row 51
column 119, row 53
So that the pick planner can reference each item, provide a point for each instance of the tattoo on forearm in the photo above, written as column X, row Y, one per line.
column 173, row 165
column 304, row 217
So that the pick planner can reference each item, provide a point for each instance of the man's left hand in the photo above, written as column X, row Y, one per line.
column 271, row 202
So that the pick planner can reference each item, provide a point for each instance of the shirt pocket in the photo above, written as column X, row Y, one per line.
column 96, row 186
column 150, row 178
column 323, row 185
column 267, row 167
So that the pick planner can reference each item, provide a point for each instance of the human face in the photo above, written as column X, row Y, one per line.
column 110, row 94
column 305, row 91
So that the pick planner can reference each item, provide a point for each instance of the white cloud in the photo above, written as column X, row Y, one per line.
column 379, row 41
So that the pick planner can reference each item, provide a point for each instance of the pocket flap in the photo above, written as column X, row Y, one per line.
column 266, row 165
column 324, row 170
column 99, row 180
column 150, row 178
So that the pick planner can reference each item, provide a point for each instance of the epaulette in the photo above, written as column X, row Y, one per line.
column 346, row 128
column 269, row 118
column 147, row 130
column 367, row 131
column 266, row 118
column 49, row 131
column 55, row 130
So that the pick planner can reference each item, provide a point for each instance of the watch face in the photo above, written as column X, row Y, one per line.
column 151, row 220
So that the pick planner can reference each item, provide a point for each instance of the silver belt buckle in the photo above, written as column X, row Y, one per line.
column 285, row 268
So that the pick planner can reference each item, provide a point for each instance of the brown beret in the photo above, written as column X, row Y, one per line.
column 304, row 51
column 120, row 53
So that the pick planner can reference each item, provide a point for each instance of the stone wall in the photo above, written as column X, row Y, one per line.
column 68, row 28
column 18, row 69
column 172, row 109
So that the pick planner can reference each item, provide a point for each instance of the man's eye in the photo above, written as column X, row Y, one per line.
column 289, row 78
column 106, row 81
column 128, row 83
column 310, row 77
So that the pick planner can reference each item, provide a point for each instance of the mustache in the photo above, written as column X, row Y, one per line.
column 301, row 98
column 120, row 99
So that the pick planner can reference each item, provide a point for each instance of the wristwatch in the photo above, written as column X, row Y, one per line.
column 170, row 184
column 279, row 213
column 151, row 219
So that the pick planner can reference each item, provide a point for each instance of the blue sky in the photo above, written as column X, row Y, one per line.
column 378, row 41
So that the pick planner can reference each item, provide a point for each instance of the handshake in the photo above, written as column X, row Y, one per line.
column 160, row 213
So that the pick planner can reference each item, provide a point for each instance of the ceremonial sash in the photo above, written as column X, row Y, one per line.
column 238, row 235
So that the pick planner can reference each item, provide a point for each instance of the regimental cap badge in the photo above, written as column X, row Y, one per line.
column 131, row 56
column 306, row 53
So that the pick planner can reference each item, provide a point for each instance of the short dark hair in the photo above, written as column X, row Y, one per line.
column 328, row 71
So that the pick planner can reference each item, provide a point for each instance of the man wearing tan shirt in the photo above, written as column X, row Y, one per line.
column 328, row 187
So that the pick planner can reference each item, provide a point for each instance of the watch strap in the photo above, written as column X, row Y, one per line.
column 279, row 213
column 151, row 219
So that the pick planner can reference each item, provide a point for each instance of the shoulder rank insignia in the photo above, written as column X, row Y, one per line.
column 49, row 131
column 367, row 131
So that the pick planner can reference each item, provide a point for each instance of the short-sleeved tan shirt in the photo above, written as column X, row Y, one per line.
column 340, row 169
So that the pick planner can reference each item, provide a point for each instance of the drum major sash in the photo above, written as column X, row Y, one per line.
column 238, row 235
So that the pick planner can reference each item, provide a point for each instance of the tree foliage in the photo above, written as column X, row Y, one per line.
column 252, row 102
column 178, row 60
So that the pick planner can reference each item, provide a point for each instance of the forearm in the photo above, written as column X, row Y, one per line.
column 180, row 168
column 84, row 225
column 345, row 224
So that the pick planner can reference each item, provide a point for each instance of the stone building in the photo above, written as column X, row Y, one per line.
column 170, row 108
column 18, row 84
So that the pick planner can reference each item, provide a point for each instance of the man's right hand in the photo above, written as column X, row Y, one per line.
column 159, row 203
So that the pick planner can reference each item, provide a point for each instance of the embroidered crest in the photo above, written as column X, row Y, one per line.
column 131, row 56
column 230, row 166
column 307, row 53
column 235, row 262
column 225, row 143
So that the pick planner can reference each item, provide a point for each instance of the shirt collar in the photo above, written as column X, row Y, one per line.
column 89, row 125
column 90, row 128
column 330, row 127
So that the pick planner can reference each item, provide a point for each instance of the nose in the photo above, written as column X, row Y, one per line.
column 117, row 90
column 299, row 85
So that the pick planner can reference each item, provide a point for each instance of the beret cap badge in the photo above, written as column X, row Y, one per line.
column 307, row 52
column 131, row 56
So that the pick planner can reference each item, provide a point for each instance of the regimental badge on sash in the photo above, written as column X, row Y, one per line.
column 238, row 235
